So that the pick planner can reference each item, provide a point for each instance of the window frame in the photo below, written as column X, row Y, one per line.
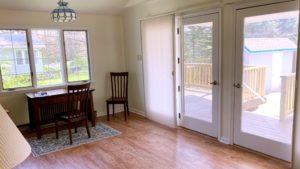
column 65, row 54
column 34, row 87
column 61, row 63
column 30, row 67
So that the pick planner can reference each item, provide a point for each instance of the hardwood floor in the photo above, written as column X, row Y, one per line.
column 146, row 144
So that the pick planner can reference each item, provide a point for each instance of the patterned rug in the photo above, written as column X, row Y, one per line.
column 48, row 143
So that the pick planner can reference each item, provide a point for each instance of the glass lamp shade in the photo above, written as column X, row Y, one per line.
column 62, row 13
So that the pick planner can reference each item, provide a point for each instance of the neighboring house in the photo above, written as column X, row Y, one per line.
column 274, row 53
column 20, row 54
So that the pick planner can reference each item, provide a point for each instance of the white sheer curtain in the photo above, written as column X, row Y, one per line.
column 157, row 43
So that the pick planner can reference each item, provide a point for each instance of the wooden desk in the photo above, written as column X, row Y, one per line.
column 42, row 108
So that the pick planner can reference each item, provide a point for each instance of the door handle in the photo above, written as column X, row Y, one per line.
column 237, row 85
column 213, row 82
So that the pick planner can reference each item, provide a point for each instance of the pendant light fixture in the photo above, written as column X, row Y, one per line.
column 63, row 13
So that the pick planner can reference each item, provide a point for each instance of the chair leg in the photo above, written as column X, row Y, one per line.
column 113, row 109
column 107, row 109
column 125, row 114
column 70, row 132
column 75, row 126
column 56, row 129
column 87, row 128
column 127, row 108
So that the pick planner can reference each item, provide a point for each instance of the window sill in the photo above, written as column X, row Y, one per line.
column 38, row 89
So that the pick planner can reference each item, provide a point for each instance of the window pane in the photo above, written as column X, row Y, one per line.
column 19, row 57
column 13, row 55
column 269, row 63
column 77, row 55
column 47, row 57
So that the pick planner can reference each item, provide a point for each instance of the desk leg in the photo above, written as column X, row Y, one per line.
column 31, row 114
column 92, row 111
column 37, row 122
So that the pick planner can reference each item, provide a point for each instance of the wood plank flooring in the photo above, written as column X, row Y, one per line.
column 144, row 144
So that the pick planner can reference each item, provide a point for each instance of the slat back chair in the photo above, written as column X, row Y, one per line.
column 119, row 85
column 77, row 101
column 119, row 90
column 76, row 108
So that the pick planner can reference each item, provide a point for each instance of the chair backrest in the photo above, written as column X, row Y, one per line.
column 77, row 100
column 119, row 84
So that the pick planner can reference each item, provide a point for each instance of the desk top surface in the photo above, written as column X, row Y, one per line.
column 49, row 93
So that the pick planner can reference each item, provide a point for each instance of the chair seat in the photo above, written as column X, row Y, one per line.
column 117, row 100
column 64, row 116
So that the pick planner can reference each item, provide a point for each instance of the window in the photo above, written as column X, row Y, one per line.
column 77, row 55
column 47, row 57
column 51, row 63
column 14, row 74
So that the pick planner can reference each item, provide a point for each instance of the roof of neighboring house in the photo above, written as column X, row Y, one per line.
column 259, row 45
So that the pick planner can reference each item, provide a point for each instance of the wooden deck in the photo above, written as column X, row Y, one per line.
column 198, row 104
column 145, row 144
column 264, row 121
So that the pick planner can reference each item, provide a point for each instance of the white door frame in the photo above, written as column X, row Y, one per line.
column 267, row 147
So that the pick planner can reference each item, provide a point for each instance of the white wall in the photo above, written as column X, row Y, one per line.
column 105, row 41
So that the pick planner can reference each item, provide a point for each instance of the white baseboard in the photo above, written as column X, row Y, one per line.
column 120, row 108
column 101, row 113
column 224, row 140
column 137, row 111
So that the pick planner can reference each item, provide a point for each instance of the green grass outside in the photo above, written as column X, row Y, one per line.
column 11, row 82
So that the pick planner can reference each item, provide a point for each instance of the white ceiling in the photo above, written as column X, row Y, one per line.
column 80, row 6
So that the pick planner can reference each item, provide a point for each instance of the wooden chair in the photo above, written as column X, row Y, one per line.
column 119, row 88
column 76, row 109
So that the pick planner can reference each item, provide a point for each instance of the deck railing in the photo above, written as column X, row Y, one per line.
column 198, row 75
column 287, row 95
column 254, row 82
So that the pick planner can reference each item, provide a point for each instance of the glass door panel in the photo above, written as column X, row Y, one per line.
column 265, row 89
column 270, row 50
column 200, row 73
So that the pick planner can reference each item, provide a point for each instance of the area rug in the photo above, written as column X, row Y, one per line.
column 48, row 143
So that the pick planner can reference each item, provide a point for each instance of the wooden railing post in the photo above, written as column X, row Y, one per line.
column 287, row 96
